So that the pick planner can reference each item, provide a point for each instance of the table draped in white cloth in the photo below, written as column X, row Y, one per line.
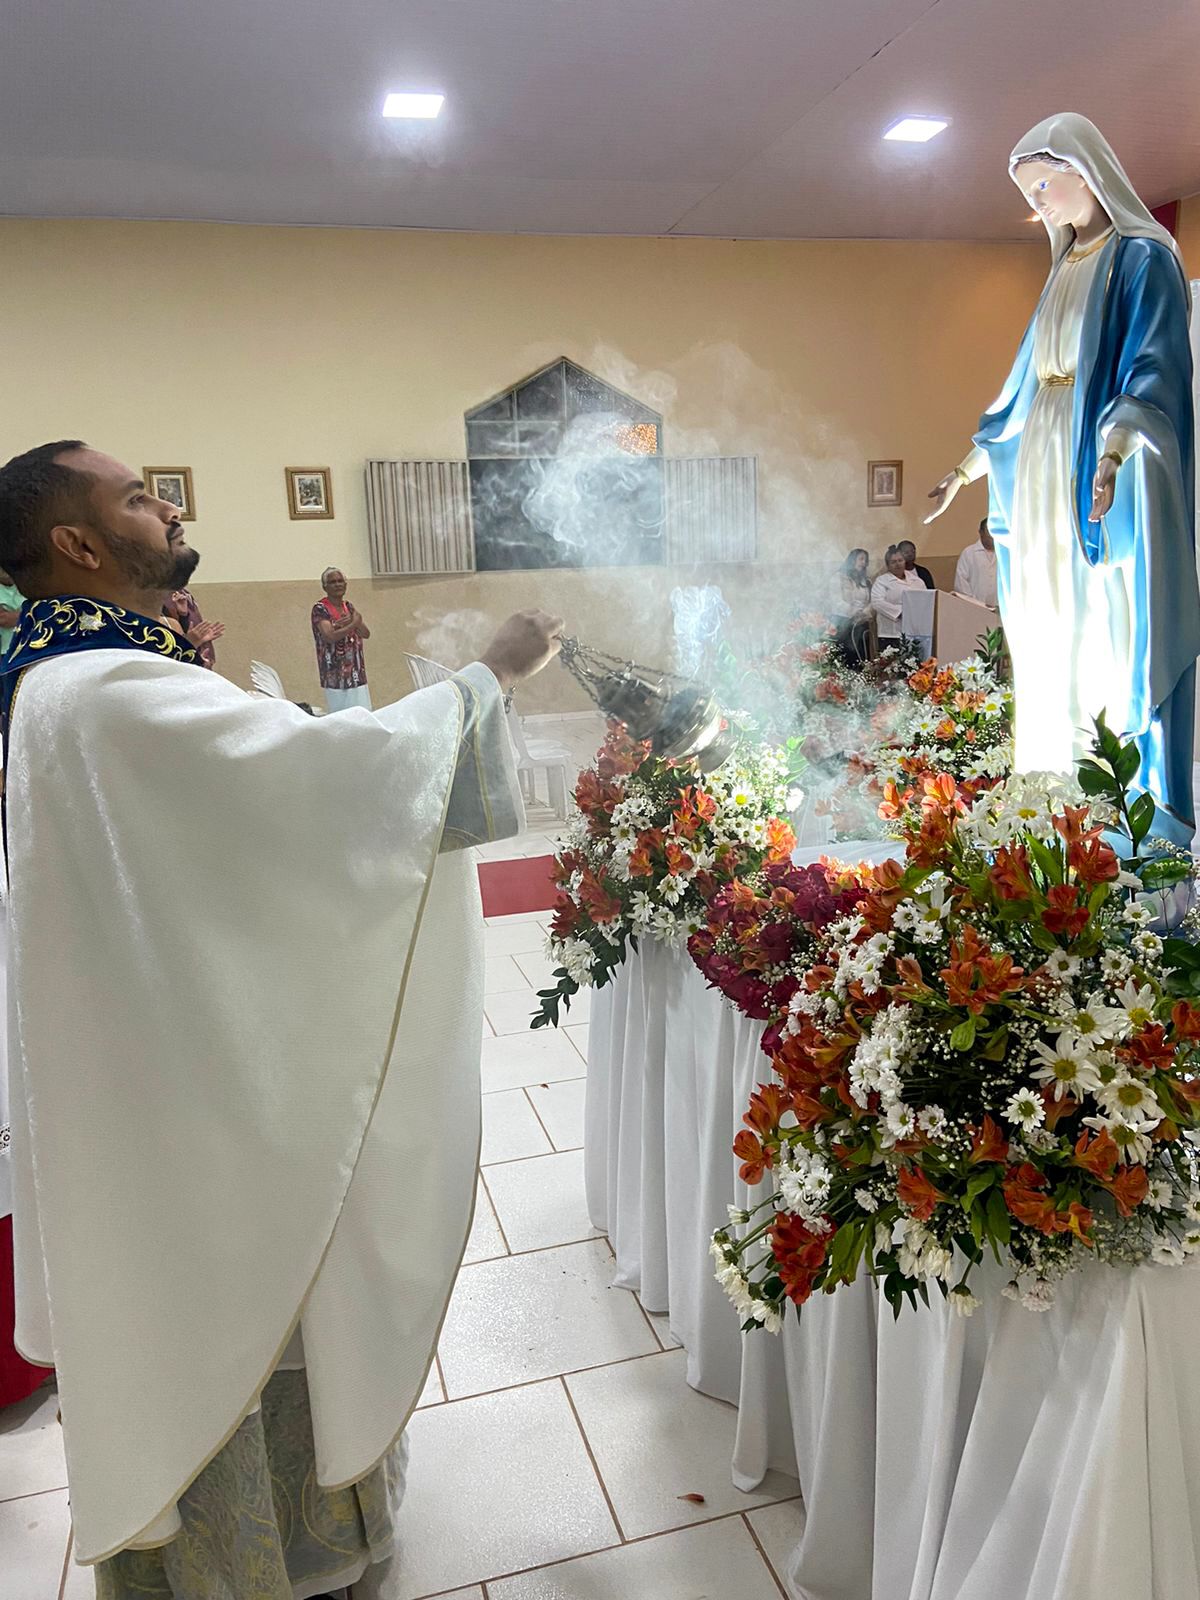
column 1054, row 1455
column 670, row 1070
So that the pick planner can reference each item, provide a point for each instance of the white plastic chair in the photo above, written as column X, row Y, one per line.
column 532, row 755
column 541, row 755
column 426, row 673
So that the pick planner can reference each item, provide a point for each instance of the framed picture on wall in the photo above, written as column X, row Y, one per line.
column 174, row 485
column 310, row 493
column 885, row 483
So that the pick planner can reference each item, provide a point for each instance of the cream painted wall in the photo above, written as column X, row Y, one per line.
column 238, row 351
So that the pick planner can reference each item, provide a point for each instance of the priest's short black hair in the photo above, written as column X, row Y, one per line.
column 37, row 492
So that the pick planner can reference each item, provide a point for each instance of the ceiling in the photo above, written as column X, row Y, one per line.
column 728, row 118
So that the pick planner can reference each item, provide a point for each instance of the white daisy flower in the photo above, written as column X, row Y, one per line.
column 1130, row 1101
column 1025, row 1110
column 1137, row 1000
column 932, row 1121
column 1134, row 1145
column 1067, row 1065
column 866, row 1201
column 1061, row 964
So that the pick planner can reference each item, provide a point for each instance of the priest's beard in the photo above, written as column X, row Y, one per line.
column 148, row 569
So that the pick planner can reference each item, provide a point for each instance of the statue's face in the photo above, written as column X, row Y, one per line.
column 1062, row 198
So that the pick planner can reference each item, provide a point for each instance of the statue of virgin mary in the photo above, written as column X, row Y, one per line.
column 1089, row 457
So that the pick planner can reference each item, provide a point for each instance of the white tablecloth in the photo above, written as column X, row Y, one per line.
column 670, row 1070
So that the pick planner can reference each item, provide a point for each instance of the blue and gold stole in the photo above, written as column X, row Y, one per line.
column 59, row 627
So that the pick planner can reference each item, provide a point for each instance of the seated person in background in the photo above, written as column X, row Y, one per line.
column 850, row 606
column 911, row 563
column 887, row 597
column 338, row 633
column 181, row 608
column 11, row 599
column 975, row 575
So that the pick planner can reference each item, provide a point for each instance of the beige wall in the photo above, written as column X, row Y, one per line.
column 239, row 351
column 1188, row 234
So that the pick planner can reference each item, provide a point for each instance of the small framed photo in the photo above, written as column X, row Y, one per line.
column 310, row 493
column 885, row 483
column 174, row 485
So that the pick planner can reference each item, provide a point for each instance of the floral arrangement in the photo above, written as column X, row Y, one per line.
column 762, row 933
column 996, row 1051
column 960, row 724
column 653, row 842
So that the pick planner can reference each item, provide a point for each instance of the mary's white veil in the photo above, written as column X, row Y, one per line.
column 1070, row 137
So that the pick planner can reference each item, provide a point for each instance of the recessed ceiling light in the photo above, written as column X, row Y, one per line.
column 917, row 130
column 426, row 106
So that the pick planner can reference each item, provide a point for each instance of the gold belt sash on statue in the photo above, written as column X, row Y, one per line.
column 1056, row 380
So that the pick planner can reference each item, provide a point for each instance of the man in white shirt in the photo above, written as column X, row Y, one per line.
column 887, row 598
column 975, row 575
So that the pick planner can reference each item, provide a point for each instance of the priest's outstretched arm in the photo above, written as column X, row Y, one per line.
column 485, row 797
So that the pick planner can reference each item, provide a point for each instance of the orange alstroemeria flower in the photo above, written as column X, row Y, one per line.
column 756, row 1159
column 1099, row 1155
column 767, row 1105
column 597, row 900
column 988, row 1143
column 1079, row 1222
column 917, row 1194
column 1148, row 1050
column 799, row 1255
column 781, row 841
column 641, row 859
column 1185, row 1019
column 946, row 729
column 1063, row 913
column 1010, row 875
column 975, row 977
column 1129, row 1187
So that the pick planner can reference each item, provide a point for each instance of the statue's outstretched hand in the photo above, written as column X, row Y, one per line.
column 942, row 494
column 1103, row 487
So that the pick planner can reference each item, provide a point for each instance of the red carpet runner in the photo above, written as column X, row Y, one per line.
column 17, row 1377
column 509, row 887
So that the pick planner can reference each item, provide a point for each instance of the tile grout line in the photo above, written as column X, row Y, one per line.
column 499, row 1225
column 525, row 1088
column 437, row 1361
column 591, row 1454
column 766, row 1558
column 603, row 1550
column 66, row 1566
column 33, row 1494
column 555, row 1377
column 637, row 1300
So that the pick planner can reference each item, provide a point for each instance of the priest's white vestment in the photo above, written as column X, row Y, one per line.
column 255, row 1112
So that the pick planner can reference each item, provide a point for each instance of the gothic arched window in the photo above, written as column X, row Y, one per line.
column 565, row 471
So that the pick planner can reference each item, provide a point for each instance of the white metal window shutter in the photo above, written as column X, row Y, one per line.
column 419, row 518
column 711, row 508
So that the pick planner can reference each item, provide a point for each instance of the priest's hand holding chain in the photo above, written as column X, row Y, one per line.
column 523, row 646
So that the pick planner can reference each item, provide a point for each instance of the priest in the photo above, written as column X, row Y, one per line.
column 237, row 1254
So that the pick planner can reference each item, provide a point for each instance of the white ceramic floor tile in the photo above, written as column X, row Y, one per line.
column 486, row 1239
column 511, row 1012
column 497, row 1484
column 560, row 1106
column 502, row 974
column 33, row 1545
column 715, row 1562
column 538, row 969
column 31, row 1446
column 516, row 939
column 516, row 1059
column 778, row 1529
column 655, row 1439
column 510, row 1128
column 579, row 1038
column 541, row 1203
column 533, row 1316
